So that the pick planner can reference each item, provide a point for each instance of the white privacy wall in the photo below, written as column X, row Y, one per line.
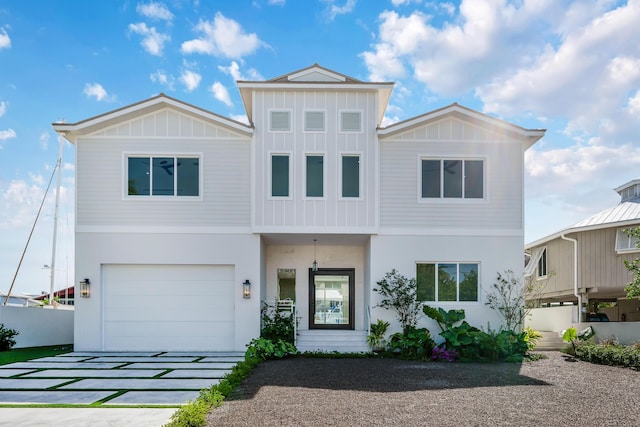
column 38, row 326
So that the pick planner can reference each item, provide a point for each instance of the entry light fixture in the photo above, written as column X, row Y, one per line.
column 314, row 266
column 246, row 289
column 85, row 288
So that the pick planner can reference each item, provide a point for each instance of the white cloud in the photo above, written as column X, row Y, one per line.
column 190, row 79
column 5, row 40
column 7, row 134
column 96, row 91
column 242, row 118
column 163, row 78
column 222, row 37
column 3, row 108
column 234, row 71
column 44, row 140
column 334, row 10
column 221, row 93
column 634, row 105
column 152, row 41
column 277, row 2
column 155, row 10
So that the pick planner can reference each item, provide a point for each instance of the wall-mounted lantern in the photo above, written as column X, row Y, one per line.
column 246, row 289
column 85, row 288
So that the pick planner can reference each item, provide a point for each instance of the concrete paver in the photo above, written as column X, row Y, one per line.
column 193, row 365
column 5, row 373
column 60, row 365
column 95, row 373
column 221, row 354
column 23, row 383
column 53, row 397
column 196, row 373
column 111, row 353
column 129, row 359
column 154, row 398
column 235, row 359
column 138, row 384
column 57, row 359
column 83, row 417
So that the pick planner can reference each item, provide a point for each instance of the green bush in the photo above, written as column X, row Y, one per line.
column 265, row 349
column 415, row 344
column 277, row 325
column 7, row 338
column 612, row 354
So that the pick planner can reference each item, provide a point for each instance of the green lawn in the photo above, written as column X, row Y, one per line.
column 24, row 354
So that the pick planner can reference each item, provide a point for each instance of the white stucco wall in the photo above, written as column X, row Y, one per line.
column 38, row 326
column 494, row 254
column 95, row 249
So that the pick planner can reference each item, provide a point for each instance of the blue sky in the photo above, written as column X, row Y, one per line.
column 572, row 67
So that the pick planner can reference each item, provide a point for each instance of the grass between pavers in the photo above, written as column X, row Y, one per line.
column 28, row 353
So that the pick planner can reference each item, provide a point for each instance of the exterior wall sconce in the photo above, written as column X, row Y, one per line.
column 314, row 266
column 246, row 289
column 85, row 288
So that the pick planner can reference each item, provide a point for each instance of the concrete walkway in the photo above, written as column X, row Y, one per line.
column 109, row 381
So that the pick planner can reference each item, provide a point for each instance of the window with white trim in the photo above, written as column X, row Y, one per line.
column 280, row 182
column 350, row 175
column 162, row 175
column 626, row 243
column 542, row 264
column 447, row 281
column 280, row 121
column 314, row 121
column 315, row 175
column 452, row 179
column 350, row 121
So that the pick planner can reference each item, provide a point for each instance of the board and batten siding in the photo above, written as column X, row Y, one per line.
column 225, row 169
column 331, row 211
column 400, row 176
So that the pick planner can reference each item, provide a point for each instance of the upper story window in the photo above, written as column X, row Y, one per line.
column 542, row 264
column 314, row 121
column 452, row 179
column 280, row 121
column 447, row 281
column 163, row 176
column 280, row 175
column 350, row 121
column 350, row 175
column 626, row 243
column 315, row 175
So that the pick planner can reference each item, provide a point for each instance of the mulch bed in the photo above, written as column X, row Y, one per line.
column 556, row 391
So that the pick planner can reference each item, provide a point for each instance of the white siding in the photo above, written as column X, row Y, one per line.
column 225, row 168
column 400, row 175
column 331, row 211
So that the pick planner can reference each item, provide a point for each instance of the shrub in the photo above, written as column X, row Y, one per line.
column 277, row 325
column 415, row 344
column 612, row 354
column 7, row 338
column 532, row 337
column 375, row 339
column 444, row 355
column 399, row 294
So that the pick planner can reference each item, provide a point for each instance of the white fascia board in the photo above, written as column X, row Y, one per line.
column 566, row 231
column 315, row 70
column 314, row 85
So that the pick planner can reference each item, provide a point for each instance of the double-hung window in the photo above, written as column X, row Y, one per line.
column 315, row 175
column 162, row 175
column 452, row 179
column 280, row 175
column 449, row 281
column 626, row 243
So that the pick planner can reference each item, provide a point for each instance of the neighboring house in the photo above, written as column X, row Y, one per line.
column 596, row 249
column 178, row 210
column 18, row 300
column 63, row 296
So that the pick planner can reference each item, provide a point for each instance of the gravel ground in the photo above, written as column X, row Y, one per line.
column 556, row 391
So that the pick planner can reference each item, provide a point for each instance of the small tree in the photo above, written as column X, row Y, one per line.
column 633, row 288
column 509, row 298
column 399, row 294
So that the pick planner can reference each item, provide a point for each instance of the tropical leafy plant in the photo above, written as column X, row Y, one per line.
column 277, row 325
column 265, row 349
column 399, row 294
column 375, row 339
column 415, row 344
column 7, row 338
column 532, row 337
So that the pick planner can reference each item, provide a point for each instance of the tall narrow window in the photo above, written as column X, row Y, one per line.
column 163, row 170
column 280, row 175
column 542, row 264
column 138, row 174
column 350, row 176
column 315, row 176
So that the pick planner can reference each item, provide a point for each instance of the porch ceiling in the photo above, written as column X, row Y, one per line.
column 321, row 239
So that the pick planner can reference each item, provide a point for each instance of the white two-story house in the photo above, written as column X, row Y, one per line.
column 186, row 221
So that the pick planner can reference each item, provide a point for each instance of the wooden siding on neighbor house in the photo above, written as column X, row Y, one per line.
column 330, row 211
column 599, row 266
column 401, row 204
column 225, row 169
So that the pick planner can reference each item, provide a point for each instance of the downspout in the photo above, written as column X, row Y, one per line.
column 575, row 274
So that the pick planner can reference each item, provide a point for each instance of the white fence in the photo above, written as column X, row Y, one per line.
column 558, row 319
column 38, row 326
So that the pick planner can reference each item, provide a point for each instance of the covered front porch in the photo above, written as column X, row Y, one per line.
column 326, row 276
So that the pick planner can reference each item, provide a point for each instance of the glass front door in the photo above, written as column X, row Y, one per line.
column 331, row 298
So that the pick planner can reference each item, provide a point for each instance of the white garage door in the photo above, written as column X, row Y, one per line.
column 168, row 307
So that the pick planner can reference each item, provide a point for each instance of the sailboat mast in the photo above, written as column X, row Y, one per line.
column 55, row 219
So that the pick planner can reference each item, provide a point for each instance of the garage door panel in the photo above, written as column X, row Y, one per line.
column 168, row 307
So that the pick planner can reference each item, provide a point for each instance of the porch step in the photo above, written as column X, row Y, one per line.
column 332, row 340
column 550, row 341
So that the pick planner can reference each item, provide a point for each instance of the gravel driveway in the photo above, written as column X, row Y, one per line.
column 557, row 391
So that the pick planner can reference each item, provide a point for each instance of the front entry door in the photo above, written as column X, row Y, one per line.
column 331, row 298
